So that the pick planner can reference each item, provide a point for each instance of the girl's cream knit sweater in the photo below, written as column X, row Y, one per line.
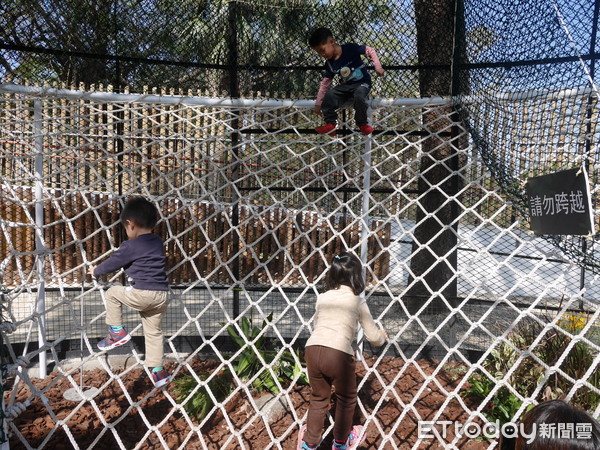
column 337, row 315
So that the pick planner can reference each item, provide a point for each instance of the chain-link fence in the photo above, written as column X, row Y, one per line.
column 478, row 49
column 527, row 95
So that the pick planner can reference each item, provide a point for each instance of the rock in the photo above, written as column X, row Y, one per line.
column 270, row 407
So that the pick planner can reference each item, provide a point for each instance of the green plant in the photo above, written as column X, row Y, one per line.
column 503, row 406
column 529, row 371
column 200, row 404
column 575, row 321
column 256, row 348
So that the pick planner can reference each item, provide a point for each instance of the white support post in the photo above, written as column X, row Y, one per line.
column 364, row 227
column 5, row 445
column 364, row 231
column 40, row 304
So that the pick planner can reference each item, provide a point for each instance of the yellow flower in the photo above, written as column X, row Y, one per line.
column 573, row 321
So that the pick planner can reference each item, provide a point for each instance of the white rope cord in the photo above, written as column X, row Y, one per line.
column 293, row 199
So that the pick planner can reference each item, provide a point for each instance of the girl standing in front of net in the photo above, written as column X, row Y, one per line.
column 330, row 356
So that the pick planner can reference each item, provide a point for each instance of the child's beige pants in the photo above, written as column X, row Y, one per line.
column 151, row 306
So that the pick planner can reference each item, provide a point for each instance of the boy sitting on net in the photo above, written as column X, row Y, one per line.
column 143, row 258
column 355, row 81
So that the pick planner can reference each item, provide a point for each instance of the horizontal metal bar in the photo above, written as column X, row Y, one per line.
column 333, row 190
column 217, row 102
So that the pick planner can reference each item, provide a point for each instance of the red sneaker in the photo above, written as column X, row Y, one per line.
column 328, row 128
column 113, row 340
column 366, row 129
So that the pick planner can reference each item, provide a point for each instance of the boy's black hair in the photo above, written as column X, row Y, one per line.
column 319, row 36
column 345, row 269
column 141, row 211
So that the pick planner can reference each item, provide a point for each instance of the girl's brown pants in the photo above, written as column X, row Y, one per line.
column 329, row 367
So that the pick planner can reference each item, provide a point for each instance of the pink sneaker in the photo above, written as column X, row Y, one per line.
column 301, row 437
column 301, row 444
column 356, row 437
column 160, row 378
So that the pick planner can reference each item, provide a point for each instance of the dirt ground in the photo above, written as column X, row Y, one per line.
column 88, row 426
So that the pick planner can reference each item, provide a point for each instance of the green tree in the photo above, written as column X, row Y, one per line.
column 192, row 44
column 104, row 42
column 76, row 26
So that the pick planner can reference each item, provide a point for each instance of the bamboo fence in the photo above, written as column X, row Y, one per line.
column 275, row 245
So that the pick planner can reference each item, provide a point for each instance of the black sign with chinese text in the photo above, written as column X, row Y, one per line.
column 559, row 203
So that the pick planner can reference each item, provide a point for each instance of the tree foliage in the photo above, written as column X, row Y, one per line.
column 197, row 44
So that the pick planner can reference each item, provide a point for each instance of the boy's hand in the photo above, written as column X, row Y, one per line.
column 90, row 270
column 318, row 110
column 380, row 72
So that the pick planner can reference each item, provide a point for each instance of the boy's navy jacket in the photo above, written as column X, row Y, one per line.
column 349, row 66
column 143, row 259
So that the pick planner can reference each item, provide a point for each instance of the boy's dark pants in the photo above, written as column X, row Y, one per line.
column 337, row 96
column 326, row 367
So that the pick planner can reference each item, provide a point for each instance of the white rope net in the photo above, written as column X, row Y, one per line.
column 253, row 206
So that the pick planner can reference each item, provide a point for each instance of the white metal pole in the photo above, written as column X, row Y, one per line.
column 5, row 445
column 225, row 102
column 40, row 248
column 364, row 231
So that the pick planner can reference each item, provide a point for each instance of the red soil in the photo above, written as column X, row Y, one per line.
column 86, row 426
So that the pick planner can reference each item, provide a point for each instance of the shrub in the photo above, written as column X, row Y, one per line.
column 286, row 367
column 247, row 366
column 200, row 404
column 530, row 372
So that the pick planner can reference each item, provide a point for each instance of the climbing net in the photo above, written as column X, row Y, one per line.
column 539, row 117
column 253, row 206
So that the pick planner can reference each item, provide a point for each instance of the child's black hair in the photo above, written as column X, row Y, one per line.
column 319, row 36
column 141, row 211
column 558, row 412
column 345, row 269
